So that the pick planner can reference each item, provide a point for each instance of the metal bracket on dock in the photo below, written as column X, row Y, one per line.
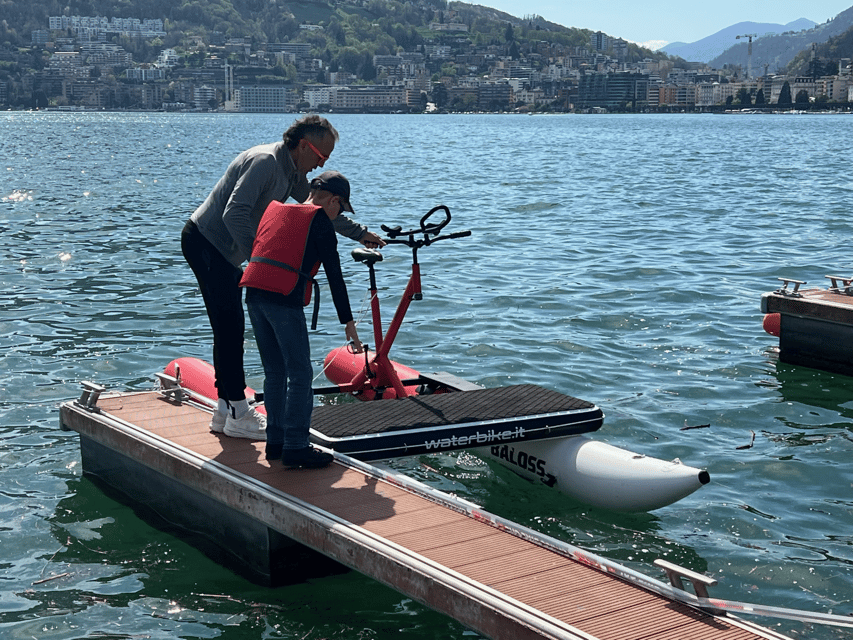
column 91, row 392
column 171, row 387
column 846, row 282
column 783, row 290
column 700, row 582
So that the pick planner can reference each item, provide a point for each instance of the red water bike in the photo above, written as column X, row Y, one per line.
column 372, row 375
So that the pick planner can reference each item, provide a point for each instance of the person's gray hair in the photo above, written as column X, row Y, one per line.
column 313, row 126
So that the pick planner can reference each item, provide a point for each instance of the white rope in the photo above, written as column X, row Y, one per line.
column 366, row 301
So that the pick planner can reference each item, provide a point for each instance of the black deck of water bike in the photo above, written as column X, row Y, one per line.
column 457, row 420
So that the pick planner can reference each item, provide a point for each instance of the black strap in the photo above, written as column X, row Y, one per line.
column 309, row 278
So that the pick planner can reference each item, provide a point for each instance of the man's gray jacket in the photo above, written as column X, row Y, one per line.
column 230, row 215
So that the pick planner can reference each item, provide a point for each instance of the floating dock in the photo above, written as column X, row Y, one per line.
column 815, row 326
column 496, row 577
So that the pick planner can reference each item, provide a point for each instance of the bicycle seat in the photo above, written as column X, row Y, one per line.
column 365, row 255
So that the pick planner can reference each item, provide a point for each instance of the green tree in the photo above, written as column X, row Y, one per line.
column 802, row 97
column 785, row 95
column 349, row 59
column 743, row 97
column 367, row 71
column 759, row 97
column 439, row 94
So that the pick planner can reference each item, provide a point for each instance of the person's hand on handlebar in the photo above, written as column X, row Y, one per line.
column 372, row 241
column 352, row 336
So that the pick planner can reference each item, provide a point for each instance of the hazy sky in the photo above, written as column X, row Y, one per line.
column 647, row 21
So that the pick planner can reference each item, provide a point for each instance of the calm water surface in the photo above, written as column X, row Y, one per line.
column 619, row 259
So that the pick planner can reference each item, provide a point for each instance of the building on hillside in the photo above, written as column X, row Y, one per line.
column 620, row 49
column 437, row 51
column 833, row 87
column 613, row 90
column 39, row 37
column 308, row 69
column 96, row 27
column 507, row 68
column 167, row 58
column 600, row 41
column 528, row 96
column 681, row 95
column 321, row 95
column 448, row 26
column 266, row 99
column 68, row 64
column 369, row 98
column 204, row 97
column 803, row 83
column 105, row 55
column 145, row 73
column 388, row 66
column 775, row 85
column 494, row 96
column 299, row 49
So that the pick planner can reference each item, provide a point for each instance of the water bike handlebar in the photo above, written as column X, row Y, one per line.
column 429, row 231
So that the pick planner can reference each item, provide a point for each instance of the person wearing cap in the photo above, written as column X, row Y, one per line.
column 218, row 239
column 292, row 242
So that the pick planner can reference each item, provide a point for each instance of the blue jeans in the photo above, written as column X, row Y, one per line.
column 282, row 337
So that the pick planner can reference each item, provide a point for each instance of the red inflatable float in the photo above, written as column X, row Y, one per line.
column 771, row 323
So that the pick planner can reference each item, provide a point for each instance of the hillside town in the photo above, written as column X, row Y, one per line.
column 86, row 69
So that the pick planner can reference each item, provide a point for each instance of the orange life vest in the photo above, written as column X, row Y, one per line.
column 279, row 249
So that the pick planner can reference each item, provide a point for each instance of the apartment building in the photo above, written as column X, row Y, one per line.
column 266, row 99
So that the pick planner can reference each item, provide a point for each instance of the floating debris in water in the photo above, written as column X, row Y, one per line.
column 695, row 426
column 751, row 442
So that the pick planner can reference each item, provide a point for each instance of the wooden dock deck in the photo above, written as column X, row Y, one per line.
column 500, row 579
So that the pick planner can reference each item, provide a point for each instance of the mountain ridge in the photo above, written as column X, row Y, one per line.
column 778, row 51
column 714, row 45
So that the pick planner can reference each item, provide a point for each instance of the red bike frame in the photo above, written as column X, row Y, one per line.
column 379, row 372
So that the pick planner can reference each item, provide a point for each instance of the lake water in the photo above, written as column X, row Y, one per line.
column 619, row 259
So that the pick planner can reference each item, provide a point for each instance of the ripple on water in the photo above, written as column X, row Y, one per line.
column 625, row 268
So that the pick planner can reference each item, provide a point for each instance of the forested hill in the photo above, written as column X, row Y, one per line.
column 369, row 26
column 831, row 51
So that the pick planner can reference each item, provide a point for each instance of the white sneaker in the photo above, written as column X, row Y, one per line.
column 252, row 425
column 217, row 422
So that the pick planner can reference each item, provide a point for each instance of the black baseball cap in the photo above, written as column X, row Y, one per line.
column 334, row 182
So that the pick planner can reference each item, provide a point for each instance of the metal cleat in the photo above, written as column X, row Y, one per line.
column 170, row 386
column 699, row 581
column 846, row 283
column 91, row 392
column 783, row 290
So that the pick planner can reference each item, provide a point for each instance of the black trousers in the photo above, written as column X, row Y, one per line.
column 219, row 281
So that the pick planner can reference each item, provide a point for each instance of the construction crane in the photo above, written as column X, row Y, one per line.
column 749, row 50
